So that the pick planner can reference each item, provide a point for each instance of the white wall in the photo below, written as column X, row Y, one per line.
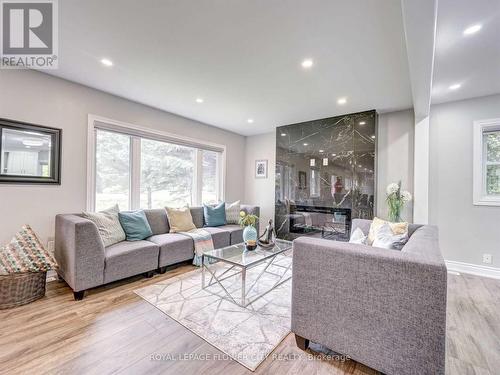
column 466, row 231
column 42, row 99
column 395, row 157
column 421, row 172
column 260, row 191
column 394, row 162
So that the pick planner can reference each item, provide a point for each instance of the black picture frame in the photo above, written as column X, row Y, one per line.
column 55, row 134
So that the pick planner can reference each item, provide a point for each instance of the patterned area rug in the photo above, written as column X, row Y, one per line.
column 248, row 335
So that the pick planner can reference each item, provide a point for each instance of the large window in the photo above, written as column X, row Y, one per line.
column 209, row 179
column 487, row 162
column 112, row 178
column 491, row 144
column 137, row 169
column 167, row 174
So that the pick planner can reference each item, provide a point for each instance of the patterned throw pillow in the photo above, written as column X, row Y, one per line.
column 233, row 213
column 180, row 219
column 25, row 253
column 108, row 225
column 397, row 228
column 387, row 239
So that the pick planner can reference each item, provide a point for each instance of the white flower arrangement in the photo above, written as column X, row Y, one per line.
column 406, row 196
column 396, row 200
column 392, row 188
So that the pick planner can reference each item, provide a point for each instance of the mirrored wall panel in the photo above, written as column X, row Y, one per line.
column 29, row 153
column 325, row 175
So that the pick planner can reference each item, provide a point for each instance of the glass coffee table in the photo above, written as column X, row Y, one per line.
column 240, row 261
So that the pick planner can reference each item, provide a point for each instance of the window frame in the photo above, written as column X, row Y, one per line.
column 136, row 133
column 480, row 198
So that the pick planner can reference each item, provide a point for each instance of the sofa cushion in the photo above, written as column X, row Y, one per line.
column 233, row 213
column 158, row 221
column 180, row 219
column 386, row 239
column 126, row 259
column 220, row 237
column 396, row 228
column 235, row 233
column 135, row 225
column 174, row 248
column 215, row 216
column 358, row 237
column 107, row 224
column 197, row 215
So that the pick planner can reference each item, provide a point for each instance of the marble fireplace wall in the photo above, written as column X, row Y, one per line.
column 325, row 168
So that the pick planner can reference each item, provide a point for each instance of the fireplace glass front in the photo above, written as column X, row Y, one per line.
column 325, row 175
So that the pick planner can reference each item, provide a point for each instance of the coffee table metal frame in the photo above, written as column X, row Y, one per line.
column 239, row 268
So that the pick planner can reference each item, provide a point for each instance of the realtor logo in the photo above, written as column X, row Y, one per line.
column 28, row 34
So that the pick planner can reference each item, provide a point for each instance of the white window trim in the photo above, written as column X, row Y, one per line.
column 479, row 184
column 127, row 128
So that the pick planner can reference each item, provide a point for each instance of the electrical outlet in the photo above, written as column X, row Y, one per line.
column 487, row 258
column 51, row 245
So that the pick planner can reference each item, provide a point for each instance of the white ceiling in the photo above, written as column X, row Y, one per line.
column 242, row 57
column 472, row 61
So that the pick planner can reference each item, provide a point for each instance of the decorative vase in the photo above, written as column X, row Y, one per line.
column 249, row 233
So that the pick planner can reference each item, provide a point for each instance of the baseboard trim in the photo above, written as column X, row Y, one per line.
column 473, row 269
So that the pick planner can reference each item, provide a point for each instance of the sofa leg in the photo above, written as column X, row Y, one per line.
column 149, row 274
column 79, row 295
column 162, row 269
column 302, row 343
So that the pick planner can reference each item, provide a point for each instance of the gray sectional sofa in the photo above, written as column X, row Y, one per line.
column 85, row 263
column 383, row 308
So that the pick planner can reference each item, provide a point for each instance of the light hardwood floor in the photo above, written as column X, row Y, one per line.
column 114, row 331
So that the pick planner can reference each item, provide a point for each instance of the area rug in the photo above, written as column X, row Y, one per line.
column 248, row 335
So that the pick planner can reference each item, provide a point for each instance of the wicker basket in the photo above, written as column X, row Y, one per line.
column 21, row 288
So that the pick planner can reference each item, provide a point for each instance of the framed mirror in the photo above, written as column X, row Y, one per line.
column 29, row 153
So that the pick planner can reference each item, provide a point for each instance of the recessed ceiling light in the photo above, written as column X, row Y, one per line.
column 283, row 134
column 307, row 63
column 199, row 100
column 341, row 101
column 250, row 120
column 321, row 151
column 362, row 122
column 334, row 154
column 455, row 86
column 106, row 62
column 373, row 137
column 472, row 29
column 306, row 144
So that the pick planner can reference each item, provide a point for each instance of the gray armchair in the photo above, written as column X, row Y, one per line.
column 383, row 308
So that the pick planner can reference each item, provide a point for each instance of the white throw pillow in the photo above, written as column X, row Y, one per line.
column 358, row 237
column 108, row 225
column 386, row 239
column 233, row 213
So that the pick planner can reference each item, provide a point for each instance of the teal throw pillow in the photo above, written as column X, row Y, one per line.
column 215, row 216
column 135, row 225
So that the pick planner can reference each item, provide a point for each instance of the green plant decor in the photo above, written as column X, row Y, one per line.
column 247, row 219
column 396, row 199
